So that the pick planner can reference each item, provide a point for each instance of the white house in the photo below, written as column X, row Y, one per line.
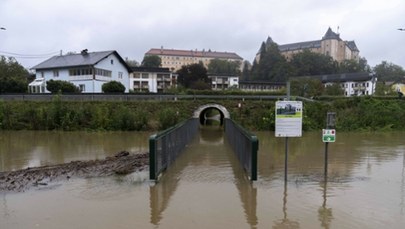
column 222, row 82
column 87, row 70
column 147, row 79
column 354, row 84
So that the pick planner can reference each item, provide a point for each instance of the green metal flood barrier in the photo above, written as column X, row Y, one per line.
column 245, row 145
column 166, row 146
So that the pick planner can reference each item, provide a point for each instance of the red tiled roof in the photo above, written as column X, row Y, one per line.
column 192, row 53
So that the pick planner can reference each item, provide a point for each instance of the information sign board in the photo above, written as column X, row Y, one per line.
column 288, row 119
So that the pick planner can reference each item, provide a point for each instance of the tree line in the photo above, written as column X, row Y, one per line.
column 274, row 67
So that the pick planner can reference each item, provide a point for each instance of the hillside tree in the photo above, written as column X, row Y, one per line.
column 194, row 76
column 152, row 61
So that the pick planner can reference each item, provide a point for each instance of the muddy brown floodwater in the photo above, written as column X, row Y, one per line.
column 206, row 186
column 120, row 164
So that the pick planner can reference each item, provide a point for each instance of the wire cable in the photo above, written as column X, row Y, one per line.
column 33, row 56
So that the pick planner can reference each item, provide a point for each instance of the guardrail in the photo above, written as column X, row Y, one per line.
column 134, row 97
column 245, row 145
column 167, row 145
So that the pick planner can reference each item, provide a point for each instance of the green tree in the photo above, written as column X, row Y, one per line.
column 13, row 76
column 217, row 66
column 152, row 61
column 192, row 76
column 306, row 87
column 308, row 63
column 131, row 63
column 55, row 86
column 353, row 66
column 245, row 75
column 389, row 72
column 334, row 89
column 382, row 90
column 272, row 66
column 113, row 87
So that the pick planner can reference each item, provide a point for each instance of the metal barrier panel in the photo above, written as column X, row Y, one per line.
column 166, row 146
column 245, row 145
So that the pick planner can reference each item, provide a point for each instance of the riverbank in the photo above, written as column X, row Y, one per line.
column 353, row 114
column 120, row 164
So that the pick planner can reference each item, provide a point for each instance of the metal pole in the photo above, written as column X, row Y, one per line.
column 326, row 160
column 286, row 140
column 286, row 160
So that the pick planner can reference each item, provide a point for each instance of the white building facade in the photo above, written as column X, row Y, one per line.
column 87, row 71
column 353, row 84
column 154, row 80
column 223, row 82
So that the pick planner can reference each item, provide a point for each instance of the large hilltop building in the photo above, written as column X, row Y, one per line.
column 331, row 45
column 174, row 59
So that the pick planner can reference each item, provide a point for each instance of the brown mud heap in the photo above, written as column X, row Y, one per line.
column 120, row 164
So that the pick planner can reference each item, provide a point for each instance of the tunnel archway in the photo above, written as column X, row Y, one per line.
column 201, row 112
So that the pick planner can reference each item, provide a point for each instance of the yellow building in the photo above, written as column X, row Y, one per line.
column 174, row 59
column 331, row 44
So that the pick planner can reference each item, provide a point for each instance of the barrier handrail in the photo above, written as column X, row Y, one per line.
column 245, row 146
column 165, row 146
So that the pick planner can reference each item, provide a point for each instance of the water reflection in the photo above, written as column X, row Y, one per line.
column 325, row 214
column 218, row 158
column 403, row 184
column 160, row 194
column 285, row 222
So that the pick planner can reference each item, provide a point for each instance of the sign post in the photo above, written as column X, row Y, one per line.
column 328, row 135
column 288, row 124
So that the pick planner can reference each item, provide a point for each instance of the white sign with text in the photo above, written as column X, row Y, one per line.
column 288, row 119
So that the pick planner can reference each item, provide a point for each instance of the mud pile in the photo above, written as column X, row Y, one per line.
column 119, row 164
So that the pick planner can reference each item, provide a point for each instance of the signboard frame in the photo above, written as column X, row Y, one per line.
column 288, row 118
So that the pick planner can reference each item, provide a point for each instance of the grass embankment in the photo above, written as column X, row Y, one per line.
column 353, row 114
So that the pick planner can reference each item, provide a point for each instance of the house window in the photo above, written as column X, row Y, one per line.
column 112, row 61
column 80, row 71
column 120, row 75
column 55, row 73
column 102, row 72
column 145, row 75
column 42, row 74
column 82, row 87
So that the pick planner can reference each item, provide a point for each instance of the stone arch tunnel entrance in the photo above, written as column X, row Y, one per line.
column 204, row 113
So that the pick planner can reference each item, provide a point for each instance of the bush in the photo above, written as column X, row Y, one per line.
column 13, row 85
column 56, row 86
column 113, row 87
column 167, row 118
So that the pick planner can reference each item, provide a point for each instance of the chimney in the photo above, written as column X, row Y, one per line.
column 84, row 52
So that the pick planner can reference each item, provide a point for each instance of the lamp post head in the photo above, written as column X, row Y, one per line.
column 2, row 28
column 401, row 29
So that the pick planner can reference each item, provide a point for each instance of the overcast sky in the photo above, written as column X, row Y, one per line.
column 132, row 27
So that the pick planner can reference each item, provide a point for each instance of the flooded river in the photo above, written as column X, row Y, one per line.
column 207, row 188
